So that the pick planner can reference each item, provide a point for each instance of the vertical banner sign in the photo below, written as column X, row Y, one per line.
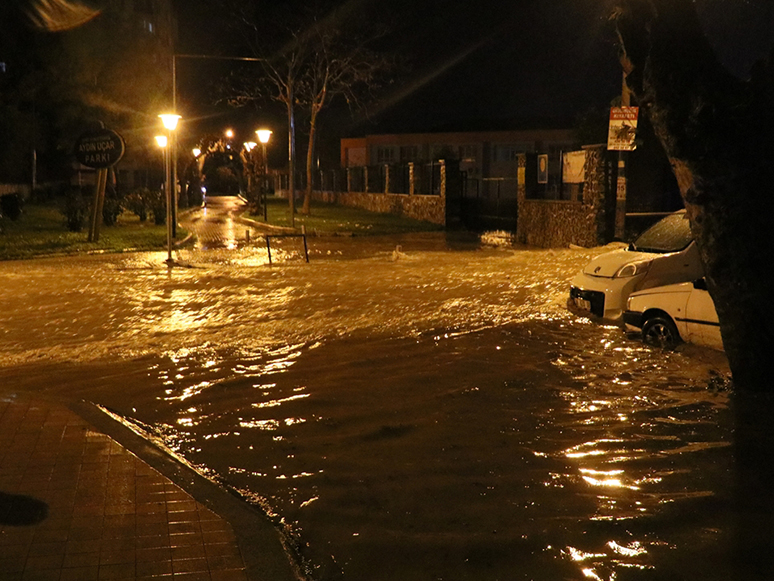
column 622, row 128
column 99, row 149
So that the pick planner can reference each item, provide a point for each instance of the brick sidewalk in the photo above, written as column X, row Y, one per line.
column 76, row 505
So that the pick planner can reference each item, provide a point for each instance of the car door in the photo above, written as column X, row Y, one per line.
column 701, row 317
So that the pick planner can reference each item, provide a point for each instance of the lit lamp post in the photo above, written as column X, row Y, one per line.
column 263, row 136
column 170, row 123
column 162, row 142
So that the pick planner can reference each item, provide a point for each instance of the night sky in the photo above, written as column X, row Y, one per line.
column 481, row 65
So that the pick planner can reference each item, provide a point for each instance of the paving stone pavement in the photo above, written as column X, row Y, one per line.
column 77, row 505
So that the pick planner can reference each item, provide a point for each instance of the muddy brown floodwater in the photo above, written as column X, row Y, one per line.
column 428, row 413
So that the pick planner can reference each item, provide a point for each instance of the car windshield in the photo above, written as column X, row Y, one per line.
column 671, row 234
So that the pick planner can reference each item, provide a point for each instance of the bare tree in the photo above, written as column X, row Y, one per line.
column 341, row 66
column 282, row 71
column 717, row 131
column 319, row 60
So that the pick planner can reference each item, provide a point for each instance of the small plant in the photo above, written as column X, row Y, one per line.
column 138, row 203
column 158, row 207
column 112, row 206
column 76, row 207
column 11, row 206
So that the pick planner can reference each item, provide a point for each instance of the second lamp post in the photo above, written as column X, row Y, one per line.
column 170, row 123
column 263, row 136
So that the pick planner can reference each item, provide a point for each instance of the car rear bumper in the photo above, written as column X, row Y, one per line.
column 632, row 319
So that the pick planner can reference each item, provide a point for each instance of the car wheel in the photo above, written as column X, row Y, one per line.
column 660, row 331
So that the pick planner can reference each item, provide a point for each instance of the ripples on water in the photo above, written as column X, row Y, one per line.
column 437, row 416
column 543, row 450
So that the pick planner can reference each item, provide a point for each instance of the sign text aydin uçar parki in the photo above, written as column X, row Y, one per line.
column 99, row 149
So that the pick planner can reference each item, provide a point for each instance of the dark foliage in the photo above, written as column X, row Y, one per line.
column 112, row 206
column 138, row 202
column 76, row 206
column 11, row 206
column 157, row 206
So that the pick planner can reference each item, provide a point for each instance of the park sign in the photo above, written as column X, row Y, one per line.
column 100, row 148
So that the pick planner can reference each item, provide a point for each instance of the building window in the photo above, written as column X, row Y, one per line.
column 504, row 153
column 385, row 155
column 444, row 152
column 468, row 153
column 143, row 6
column 508, row 152
column 409, row 153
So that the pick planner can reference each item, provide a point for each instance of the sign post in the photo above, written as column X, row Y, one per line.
column 99, row 149
column 621, row 138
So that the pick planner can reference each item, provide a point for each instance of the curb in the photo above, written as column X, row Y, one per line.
column 266, row 550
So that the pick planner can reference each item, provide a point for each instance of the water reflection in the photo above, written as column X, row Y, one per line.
column 441, row 416
column 314, row 430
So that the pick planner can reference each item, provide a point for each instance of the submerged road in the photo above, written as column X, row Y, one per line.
column 429, row 413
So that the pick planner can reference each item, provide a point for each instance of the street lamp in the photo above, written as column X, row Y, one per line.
column 162, row 142
column 170, row 123
column 263, row 136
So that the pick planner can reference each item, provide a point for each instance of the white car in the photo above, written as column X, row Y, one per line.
column 664, row 254
column 673, row 313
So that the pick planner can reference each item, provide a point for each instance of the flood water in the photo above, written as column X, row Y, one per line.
column 428, row 412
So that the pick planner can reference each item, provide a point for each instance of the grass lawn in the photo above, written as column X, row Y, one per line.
column 41, row 231
column 332, row 219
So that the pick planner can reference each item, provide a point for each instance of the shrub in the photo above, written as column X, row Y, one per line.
column 112, row 206
column 138, row 202
column 11, row 206
column 76, row 207
column 158, row 207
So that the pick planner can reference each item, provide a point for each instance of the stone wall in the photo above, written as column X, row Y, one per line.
column 559, row 223
column 441, row 208
column 427, row 208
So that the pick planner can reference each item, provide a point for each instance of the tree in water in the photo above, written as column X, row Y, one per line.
column 718, row 132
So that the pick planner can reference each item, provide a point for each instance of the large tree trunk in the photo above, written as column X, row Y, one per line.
column 719, row 136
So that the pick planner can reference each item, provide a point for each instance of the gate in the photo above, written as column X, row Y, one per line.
column 490, row 203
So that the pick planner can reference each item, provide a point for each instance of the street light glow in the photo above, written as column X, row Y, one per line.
column 249, row 145
column 229, row 133
column 196, row 152
column 170, row 120
column 264, row 135
column 161, row 140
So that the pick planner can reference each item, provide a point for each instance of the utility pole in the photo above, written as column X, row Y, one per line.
column 621, row 184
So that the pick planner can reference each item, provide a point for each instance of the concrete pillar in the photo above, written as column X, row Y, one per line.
column 387, row 177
